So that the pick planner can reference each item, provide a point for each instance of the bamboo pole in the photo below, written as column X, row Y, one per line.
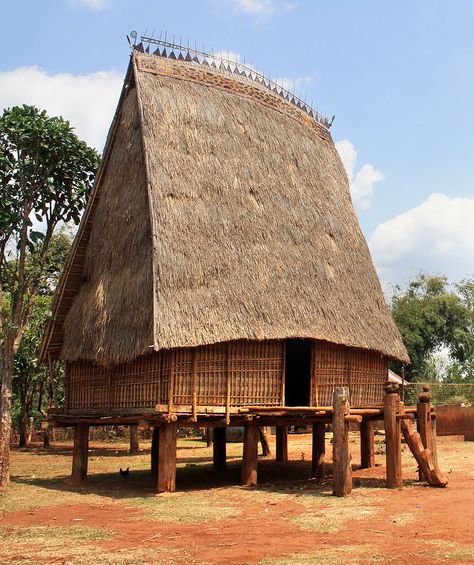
column 171, row 382
column 194, row 391
column 342, row 484
column 392, row 436
column 228, row 384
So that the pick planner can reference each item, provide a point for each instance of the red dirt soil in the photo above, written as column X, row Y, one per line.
column 266, row 529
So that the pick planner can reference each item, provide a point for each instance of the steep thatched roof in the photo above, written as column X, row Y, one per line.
column 221, row 212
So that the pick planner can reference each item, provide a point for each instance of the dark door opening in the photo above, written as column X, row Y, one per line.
column 298, row 372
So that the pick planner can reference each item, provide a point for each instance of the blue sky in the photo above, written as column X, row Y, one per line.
column 397, row 75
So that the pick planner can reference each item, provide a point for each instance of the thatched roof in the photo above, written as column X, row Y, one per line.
column 221, row 212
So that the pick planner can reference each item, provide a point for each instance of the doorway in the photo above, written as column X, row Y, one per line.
column 298, row 372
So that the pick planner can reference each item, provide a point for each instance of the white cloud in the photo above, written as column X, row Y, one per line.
column 436, row 237
column 293, row 83
column 361, row 182
column 90, row 4
column 87, row 101
column 255, row 7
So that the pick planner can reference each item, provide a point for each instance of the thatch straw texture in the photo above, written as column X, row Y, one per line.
column 111, row 318
column 254, row 235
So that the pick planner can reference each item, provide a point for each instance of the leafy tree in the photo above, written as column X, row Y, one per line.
column 46, row 174
column 432, row 317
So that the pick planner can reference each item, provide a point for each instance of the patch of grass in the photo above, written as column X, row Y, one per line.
column 336, row 556
column 86, row 555
column 184, row 508
column 404, row 518
column 443, row 550
column 54, row 534
column 329, row 521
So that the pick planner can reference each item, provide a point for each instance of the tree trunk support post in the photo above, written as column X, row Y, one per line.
column 266, row 452
column 155, row 444
column 424, row 424
column 342, row 484
column 282, row 444
column 367, row 443
column 393, row 440
column 318, row 450
column 250, row 454
column 134, row 443
column 80, row 454
column 219, row 449
column 166, row 471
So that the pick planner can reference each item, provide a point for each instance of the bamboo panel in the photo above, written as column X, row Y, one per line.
column 363, row 372
column 257, row 372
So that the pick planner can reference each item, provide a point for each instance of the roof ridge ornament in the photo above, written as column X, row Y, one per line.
column 188, row 55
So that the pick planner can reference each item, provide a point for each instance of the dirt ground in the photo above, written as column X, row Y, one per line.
column 287, row 519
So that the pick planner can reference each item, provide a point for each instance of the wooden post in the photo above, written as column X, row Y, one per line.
column 367, row 444
column 341, row 456
column 282, row 444
column 393, row 440
column 219, row 448
column 319, row 450
column 167, row 458
column 264, row 442
column 134, row 444
column 80, row 454
column 250, row 454
column 155, row 445
column 423, row 423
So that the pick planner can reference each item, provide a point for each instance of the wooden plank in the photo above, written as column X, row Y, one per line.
column 423, row 456
column 318, row 451
column 219, row 448
column 171, row 382
column 367, row 444
column 282, row 444
column 166, row 480
column 80, row 455
column 342, row 484
column 393, row 445
column 250, row 454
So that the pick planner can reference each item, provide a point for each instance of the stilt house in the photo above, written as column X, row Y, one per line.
column 219, row 264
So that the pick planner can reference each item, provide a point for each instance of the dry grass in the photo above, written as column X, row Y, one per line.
column 327, row 521
column 54, row 535
column 344, row 555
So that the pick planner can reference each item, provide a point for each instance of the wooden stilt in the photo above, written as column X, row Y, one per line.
column 393, row 442
column 155, row 444
column 367, row 444
column 264, row 442
column 341, row 456
column 250, row 454
column 80, row 454
column 134, row 444
column 282, row 444
column 319, row 450
column 167, row 458
column 219, row 448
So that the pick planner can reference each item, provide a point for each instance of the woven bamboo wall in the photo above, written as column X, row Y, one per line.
column 228, row 374
column 363, row 371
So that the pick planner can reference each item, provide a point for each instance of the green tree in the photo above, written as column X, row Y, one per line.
column 46, row 173
column 430, row 317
